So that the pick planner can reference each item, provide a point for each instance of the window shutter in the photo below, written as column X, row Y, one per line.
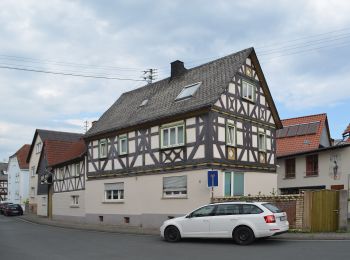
column 176, row 183
column 114, row 186
column 308, row 165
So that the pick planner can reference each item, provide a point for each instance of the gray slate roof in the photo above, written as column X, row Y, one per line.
column 126, row 111
column 58, row 136
column 53, row 135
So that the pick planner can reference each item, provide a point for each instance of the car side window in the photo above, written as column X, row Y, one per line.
column 203, row 212
column 227, row 209
column 250, row 209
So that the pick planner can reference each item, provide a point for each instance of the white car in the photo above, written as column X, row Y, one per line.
column 242, row 221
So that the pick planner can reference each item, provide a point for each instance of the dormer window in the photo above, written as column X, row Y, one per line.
column 248, row 91
column 144, row 102
column 188, row 91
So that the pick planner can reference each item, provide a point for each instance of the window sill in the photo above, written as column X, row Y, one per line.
column 172, row 147
column 249, row 100
column 123, row 155
column 310, row 176
column 174, row 197
column 74, row 206
column 113, row 202
column 288, row 178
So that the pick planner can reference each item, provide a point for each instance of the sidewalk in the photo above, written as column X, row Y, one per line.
column 86, row 226
column 148, row 231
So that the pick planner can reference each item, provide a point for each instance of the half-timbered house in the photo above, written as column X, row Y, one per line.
column 38, row 163
column 68, row 179
column 3, row 182
column 149, row 153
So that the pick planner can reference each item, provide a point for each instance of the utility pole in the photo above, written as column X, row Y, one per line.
column 149, row 75
column 86, row 125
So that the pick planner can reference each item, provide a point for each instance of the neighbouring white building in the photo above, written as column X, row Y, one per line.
column 307, row 157
column 18, row 177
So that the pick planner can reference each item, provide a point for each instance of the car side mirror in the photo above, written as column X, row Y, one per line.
column 189, row 216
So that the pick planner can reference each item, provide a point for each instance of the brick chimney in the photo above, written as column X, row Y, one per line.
column 177, row 69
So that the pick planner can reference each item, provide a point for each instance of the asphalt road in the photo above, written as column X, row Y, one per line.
column 23, row 240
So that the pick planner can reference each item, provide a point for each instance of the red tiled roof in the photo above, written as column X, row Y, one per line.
column 61, row 151
column 347, row 130
column 22, row 154
column 301, row 143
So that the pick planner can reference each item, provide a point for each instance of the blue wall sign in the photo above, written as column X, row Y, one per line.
column 213, row 178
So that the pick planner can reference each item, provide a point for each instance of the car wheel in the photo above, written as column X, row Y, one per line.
column 172, row 234
column 243, row 235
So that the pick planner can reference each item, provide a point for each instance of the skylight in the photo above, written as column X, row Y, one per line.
column 144, row 102
column 188, row 91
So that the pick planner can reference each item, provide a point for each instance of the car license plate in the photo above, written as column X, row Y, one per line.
column 283, row 218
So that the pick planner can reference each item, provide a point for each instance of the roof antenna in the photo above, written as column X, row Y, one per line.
column 149, row 75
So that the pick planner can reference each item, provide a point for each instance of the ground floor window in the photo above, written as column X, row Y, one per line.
column 75, row 200
column 175, row 186
column 43, row 201
column 233, row 184
column 114, row 191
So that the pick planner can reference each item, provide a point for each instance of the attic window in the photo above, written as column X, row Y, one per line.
column 188, row 91
column 144, row 102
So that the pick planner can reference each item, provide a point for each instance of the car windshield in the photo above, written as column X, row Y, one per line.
column 272, row 208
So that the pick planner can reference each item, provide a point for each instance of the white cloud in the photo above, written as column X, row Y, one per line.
column 140, row 35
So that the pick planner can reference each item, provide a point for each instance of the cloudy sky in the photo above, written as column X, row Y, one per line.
column 303, row 47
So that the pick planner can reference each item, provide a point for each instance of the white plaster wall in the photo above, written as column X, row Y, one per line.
column 42, row 205
column 62, row 204
column 324, row 177
column 324, row 138
column 144, row 194
column 33, row 181
column 12, row 186
column 264, row 183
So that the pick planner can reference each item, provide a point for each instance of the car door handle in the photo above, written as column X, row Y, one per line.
column 205, row 220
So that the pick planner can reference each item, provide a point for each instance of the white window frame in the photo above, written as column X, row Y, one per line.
column 102, row 153
column 168, row 128
column 38, row 148
column 228, row 141
column 119, row 192
column 32, row 171
column 263, row 147
column 122, row 138
column 75, row 200
column 175, row 192
column 195, row 87
column 76, row 167
column 250, row 89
